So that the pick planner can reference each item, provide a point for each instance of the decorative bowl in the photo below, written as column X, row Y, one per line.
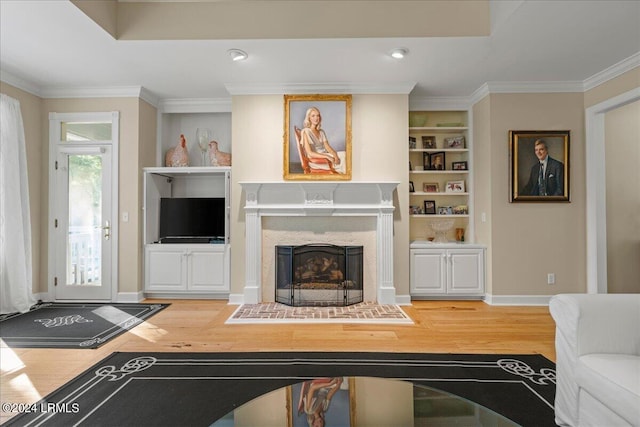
column 441, row 227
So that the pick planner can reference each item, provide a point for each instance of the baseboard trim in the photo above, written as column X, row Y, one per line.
column 130, row 297
column 236, row 299
column 541, row 300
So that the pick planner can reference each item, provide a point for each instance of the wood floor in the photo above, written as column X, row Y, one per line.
column 198, row 326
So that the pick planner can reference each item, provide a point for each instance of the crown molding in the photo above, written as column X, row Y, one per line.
column 195, row 105
column 18, row 82
column 439, row 103
column 612, row 72
column 320, row 88
column 98, row 92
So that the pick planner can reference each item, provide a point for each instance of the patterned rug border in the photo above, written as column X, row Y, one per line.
column 362, row 313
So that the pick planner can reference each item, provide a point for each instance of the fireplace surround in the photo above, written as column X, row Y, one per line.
column 319, row 199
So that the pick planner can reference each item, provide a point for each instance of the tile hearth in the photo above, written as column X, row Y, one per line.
column 273, row 312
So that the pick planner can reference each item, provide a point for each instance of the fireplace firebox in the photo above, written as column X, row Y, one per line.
column 320, row 275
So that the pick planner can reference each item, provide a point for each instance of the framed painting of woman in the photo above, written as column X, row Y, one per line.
column 317, row 137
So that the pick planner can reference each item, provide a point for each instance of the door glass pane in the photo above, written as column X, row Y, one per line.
column 71, row 131
column 84, row 248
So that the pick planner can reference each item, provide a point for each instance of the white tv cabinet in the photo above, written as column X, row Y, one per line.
column 191, row 270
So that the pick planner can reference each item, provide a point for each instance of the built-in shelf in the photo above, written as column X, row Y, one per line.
column 423, row 193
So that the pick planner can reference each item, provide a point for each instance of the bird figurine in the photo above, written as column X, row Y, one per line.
column 216, row 157
column 178, row 156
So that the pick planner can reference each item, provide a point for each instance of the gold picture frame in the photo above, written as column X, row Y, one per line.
column 527, row 148
column 332, row 159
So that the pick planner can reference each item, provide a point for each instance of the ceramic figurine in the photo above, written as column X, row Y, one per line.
column 218, row 158
column 178, row 156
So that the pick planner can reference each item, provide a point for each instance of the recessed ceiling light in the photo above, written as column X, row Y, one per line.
column 399, row 53
column 237, row 54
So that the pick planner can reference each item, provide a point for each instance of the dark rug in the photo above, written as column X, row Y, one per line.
column 196, row 389
column 73, row 325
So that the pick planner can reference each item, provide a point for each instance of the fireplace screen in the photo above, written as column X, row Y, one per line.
column 319, row 275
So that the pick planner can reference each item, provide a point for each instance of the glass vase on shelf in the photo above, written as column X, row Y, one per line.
column 203, row 136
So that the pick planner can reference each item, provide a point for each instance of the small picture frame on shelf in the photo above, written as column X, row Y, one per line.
column 410, row 167
column 437, row 161
column 428, row 141
column 412, row 143
column 445, row 210
column 430, row 207
column 455, row 187
column 454, row 142
column 430, row 187
column 459, row 166
column 411, row 187
column 426, row 161
column 414, row 210
column 460, row 210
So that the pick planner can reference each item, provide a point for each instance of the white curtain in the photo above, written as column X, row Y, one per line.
column 16, row 279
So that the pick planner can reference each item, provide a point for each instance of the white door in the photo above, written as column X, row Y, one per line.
column 82, row 246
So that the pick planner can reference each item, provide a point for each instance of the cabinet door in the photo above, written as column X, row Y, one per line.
column 206, row 270
column 165, row 269
column 428, row 274
column 466, row 271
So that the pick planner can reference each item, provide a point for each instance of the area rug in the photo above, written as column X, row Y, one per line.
column 196, row 389
column 73, row 325
column 365, row 312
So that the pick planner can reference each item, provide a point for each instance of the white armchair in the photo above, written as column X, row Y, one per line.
column 597, row 359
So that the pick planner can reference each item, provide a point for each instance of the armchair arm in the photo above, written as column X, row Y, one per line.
column 598, row 323
column 588, row 323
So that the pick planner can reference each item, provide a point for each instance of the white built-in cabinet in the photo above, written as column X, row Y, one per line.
column 194, row 270
column 446, row 270
column 442, row 270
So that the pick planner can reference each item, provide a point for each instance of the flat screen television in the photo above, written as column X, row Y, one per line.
column 195, row 220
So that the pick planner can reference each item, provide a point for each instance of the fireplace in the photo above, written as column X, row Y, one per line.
column 319, row 275
column 319, row 201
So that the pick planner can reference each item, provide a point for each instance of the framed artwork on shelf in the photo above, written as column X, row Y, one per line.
column 412, row 142
column 459, row 166
column 411, row 187
column 415, row 210
column 317, row 137
column 460, row 210
column 426, row 161
column 430, row 207
column 437, row 161
column 430, row 187
column 445, row 210
column 454, row 142
column 455, row 187
column 322, row 401
column 428, row 141
column 539, row 166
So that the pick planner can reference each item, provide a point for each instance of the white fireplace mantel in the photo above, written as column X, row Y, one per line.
column 328, row 198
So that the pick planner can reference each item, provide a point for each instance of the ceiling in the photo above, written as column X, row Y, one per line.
column 52, row 46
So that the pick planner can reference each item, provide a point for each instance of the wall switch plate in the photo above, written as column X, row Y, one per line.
column 551, row 279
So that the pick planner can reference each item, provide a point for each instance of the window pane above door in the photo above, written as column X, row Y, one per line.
column 84, row 132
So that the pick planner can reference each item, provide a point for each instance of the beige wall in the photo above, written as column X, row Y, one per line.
column 482, row 154
column 621, row 84
column 148, row 127
column 622, row 157
column 36, row 162
column 379, row 135
column 530, row 240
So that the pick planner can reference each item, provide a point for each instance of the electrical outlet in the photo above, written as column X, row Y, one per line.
column 125, row 216
column 551, row 279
